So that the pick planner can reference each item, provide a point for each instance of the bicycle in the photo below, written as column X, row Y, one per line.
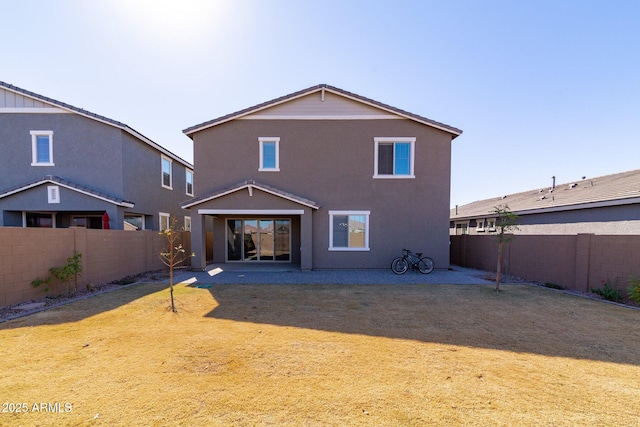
column 408, row 259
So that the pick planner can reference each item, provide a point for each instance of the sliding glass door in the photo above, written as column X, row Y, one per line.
column 258, row 239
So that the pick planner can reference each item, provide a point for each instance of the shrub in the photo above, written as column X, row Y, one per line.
column 608, row 292
column 633, row 290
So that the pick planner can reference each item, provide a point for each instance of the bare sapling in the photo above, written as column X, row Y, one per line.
column 506, row 223
column 174, row 254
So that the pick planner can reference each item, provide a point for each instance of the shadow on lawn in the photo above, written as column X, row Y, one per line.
column 76, row 309
column 522, row 319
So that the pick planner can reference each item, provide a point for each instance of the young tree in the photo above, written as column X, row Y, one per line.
column 505, row 224
column 174, row 254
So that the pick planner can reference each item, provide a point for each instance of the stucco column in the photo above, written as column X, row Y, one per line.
column 306, row 240
column 198, row 241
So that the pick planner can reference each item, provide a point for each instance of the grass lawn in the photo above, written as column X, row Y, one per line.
column 321, row 355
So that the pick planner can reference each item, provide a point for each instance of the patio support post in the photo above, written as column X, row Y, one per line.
column 198, row 242
column 306, row 240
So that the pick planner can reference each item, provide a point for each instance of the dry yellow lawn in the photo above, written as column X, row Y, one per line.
column 324, row 355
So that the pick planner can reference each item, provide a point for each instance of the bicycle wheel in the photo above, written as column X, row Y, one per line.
column 426, row 265
column 399, row 265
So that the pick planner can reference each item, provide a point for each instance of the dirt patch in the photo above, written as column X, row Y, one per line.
column 23, row 309
column 515, row 280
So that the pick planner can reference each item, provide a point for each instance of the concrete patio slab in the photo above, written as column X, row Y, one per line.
column 287, row 274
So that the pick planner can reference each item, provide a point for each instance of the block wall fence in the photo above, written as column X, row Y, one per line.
column 107, row 255
column 580, row 262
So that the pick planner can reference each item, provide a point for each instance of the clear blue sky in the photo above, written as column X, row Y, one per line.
column 540, row 88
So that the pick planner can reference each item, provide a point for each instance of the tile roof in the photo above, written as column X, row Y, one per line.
column 454, row 131
column 617, row 189
column 97, row 117
column 250, row 184
column 49, row 179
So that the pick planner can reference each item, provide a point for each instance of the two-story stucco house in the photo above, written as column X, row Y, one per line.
column 63, row 166
column 323, row 178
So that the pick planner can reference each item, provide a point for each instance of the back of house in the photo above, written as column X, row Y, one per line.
column 323, row 178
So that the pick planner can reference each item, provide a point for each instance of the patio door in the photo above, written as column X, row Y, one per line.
column 258, row 240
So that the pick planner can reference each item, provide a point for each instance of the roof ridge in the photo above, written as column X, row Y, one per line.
column 310, row 90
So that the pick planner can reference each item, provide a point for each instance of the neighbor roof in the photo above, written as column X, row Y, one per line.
column 96, row 117
column 318, row 88
column 610, row 190
column 71, row 186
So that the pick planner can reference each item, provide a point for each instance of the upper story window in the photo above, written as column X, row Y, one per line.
column 41, row 148
column 269, row 154
column 394, row 157
column 349, row 230
column 189, row 179
column 167, row 177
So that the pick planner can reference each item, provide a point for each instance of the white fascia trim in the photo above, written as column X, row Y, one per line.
column 588, row 205
column 250, row 211
column 563, row 208
column 48, row 181
column 34, row 110
column 248, row 186
column 322, row 117
column 394, row 112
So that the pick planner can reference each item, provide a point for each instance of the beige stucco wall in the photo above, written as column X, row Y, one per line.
column 332, row 163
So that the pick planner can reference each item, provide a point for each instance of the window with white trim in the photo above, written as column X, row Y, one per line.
column 165, row 221
column 187, row 223
column 349, row 230
column 394, row 157
column 269, row 154
column 42, row 148
column 189, row 180
column 167, row 176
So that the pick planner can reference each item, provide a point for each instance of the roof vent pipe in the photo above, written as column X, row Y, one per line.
column 553, row 182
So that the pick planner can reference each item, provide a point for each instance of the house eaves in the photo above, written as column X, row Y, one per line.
column 322, row 88
column 71, row 186
column 96, row 117
column 250, row 185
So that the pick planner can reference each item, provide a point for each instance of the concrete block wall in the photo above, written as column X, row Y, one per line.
column 581, row 262
column 107, row 255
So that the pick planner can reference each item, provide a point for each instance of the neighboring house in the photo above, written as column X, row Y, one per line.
column 66, row 167
column 604, row 205
column 322, row 178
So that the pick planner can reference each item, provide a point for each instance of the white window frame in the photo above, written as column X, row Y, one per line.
column 170, row 160
column 187, row 223
column 387, row 140
column 366, row 231
column 480, row 225
column 34, row 147
column 261, row 142
column 188, row 173
column 164, row 219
